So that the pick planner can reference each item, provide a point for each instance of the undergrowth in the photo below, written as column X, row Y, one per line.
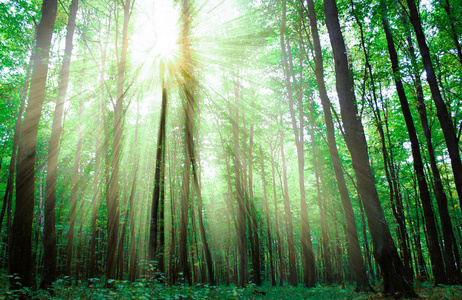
column 94, row 289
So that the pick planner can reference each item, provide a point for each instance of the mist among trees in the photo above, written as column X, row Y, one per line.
column 223, row 149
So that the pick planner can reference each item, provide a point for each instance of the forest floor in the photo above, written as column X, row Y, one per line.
column 144, row 290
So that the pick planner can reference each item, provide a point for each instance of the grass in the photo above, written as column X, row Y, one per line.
column 143, row 289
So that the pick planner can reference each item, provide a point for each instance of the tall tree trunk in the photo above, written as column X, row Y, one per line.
column 101, row 119
column 453, row 274
column 268, row 225
column 205, row 245
column 74, row 197
column 132, row 255
column 322, row 212
column 253, row 217
column 20, row 262
column 288, row 218
column 158, row 180
column 276, row 217
column 189, row 114
column 453, row 33
column 49, row 246
column 94, row 210
column 172, row 269
column 442, row 111
column 8, row 196
column 362, row 283
column 309, row 276
column 422, row 268
column 241, row 222
column 113, row 204
column 390, row 173
column 434, row 249
column 384, row 248
column 161, row 229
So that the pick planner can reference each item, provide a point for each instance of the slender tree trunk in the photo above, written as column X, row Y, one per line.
column 8, row 197
column 241, row 222
column 158, row 180
column 49, row 247
column 434, row 249
column 97, row 190
column 113, row 204
column 276, row 218
column 161, row 246
column 132, row 263
column 189, row 115
column 390, row 173
column 384, row 248
column 325, row 240
column 74, row 197
column 172, row 270
column 442, row 111
column 362, row 283
column 309, row 276
column 268, row 225
column 441, row 199
column 453, row 33
column 288, row 218
column 253, row 218
column 205, row 245
column 94, row 211
column 20, row 261
column 423, row 274
column 121, row 238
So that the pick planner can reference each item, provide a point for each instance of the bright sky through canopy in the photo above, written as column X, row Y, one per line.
column 156, row 37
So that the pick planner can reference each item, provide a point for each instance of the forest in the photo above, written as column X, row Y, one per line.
column 238, row 149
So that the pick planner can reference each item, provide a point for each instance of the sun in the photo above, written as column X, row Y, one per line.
column 156, row 36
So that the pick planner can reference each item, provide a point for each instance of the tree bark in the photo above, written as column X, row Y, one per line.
column 189, row 106
column 241, row 222
column 434, row 249
column 276, row 217
column 384, row 248
column 8, row 196
column 268, row 225
column 308, row 263
column 453, row 33
column 74, row 197
column 20, row 261
column 453, row 274
column 49, row 247
column 159, row 181
column 442, row 111
column 253, row 217
column 288, row 218
column 113, row 204
column 325, row 240
column 362, row 283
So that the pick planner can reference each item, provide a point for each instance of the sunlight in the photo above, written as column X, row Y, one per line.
column 156, row 38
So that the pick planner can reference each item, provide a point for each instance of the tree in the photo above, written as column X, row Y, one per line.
column 435, row 251
column 241, row 220
column 49, row 247
column 159, row 182
column 442, row 111
column 20, row 262
column 112, row 205
column 188, row 88
column 362, row 283
column 384, row 248
column 450, row 247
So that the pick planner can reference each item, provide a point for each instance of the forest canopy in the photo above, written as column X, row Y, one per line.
column 243, row 142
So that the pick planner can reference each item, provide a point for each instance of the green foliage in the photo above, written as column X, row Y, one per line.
column 144, row 289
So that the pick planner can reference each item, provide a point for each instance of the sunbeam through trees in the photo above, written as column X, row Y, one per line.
column 180, row 149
